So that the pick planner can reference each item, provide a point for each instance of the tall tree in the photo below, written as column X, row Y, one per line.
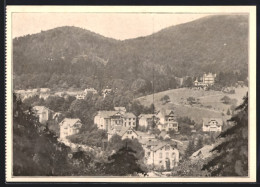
column 231, row 158
column 124, row 162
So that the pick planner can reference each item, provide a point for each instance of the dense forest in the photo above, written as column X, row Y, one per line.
column 71, row 57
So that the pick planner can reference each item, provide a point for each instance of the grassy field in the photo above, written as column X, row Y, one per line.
column 210, row 104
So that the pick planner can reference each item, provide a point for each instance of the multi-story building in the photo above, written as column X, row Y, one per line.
column 168, row 120
column 206, row 80
column 109, row 119
column 81, row 96
column 69, row 126
column 212, row 124
column 43, row 113
column 209, row 78
column 161, row 155
column 147, row 119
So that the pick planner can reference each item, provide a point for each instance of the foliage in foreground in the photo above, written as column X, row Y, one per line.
column 232, row 153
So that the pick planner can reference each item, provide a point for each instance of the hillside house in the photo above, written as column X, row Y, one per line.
column 43, row 113
column 81, row 96
column 212, row 124
column 90, row 90
column 124, row 132
column 161, row 155
column 147, row 119
column 207, row 80
column 168, row 120
column 108, row 119
column 69, row 126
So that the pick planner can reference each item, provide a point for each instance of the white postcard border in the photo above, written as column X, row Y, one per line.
column 251, row 10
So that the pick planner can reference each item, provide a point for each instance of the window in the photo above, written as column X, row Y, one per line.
column 133, row 123
column 132, row 137
column 148, row 153
column 129, row 123
column 160, row 162
column 160, row 155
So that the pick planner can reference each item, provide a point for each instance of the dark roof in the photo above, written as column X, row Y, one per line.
column 207, row 120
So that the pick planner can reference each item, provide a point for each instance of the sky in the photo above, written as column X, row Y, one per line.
column 119, row 26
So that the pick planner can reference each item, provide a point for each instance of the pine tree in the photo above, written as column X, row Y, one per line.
column 231, row 155
column 190, row 149
column 124, row 162
column 199, row 143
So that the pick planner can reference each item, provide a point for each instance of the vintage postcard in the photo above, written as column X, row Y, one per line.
column 130, row 94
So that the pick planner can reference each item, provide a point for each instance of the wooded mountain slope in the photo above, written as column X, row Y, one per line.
column 75, row 57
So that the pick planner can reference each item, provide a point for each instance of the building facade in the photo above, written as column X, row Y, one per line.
column 43, row 113
column 212, row 124
column 69, row 126
column 168, row 120
column 207, row 80
column 147, row 119
column 109, row 119
column 161, row 155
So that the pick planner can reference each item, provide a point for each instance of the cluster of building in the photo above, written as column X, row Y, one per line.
column 205, row 81
column 159, row 154
column 44, row 93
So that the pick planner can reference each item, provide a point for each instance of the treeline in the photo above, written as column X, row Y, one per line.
column 37, row 152
column 70, row 57
column 87, row 109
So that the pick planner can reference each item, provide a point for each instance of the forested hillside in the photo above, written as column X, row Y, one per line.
column 71, row 57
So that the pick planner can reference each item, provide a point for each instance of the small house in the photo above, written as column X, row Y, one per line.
column 212, row 124
column 69, row 126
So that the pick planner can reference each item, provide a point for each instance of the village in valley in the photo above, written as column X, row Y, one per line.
column 167, row 136
column 171, row 103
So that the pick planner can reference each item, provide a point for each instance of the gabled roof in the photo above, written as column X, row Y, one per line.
column 70, row 122
column 218, row 120
column 160, row 145
column 146, row 116
column 106, row 114
column 129, row 115
column 167, row 112
column 125, row 129
column 163, row 134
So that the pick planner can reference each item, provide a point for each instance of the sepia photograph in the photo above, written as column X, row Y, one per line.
column 131, row 94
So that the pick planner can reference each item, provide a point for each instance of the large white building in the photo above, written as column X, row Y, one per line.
column 212, row 124
column 109, row 119
column 161, row 155
column 206, row 80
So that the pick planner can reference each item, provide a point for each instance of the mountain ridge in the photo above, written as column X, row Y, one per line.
column 212, row 43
